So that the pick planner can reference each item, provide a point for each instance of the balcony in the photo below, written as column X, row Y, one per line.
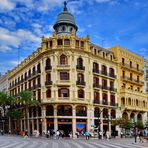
column 38, row 86
column 112, row 75
column 104, row 73
column 113, row 89
column 48, row 68
column 96, row 101
column 97, row 86
column 127, row 66
column 48, row 83
column 95, row 70
column 80, row 67
column 105, row 103
column 81, row 83
column 131, row 80
column 105, row 87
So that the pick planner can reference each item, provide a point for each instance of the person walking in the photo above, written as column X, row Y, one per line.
column 57, row 134
column 107, row 135
column 121, row 134
column 87, row 135
column 140, row 134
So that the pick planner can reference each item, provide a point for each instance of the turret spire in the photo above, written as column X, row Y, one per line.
column 65, row 6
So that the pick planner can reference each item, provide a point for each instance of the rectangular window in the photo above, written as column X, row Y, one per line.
column 77, row 43
column 64, row 76
column 67, row 42
column 123, row 61
column 60, row 42
column 82, row 44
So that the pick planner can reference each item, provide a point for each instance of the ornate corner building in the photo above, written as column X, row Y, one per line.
column 76, row 82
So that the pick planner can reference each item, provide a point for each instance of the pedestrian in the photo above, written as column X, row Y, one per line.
column 87, row 135
column 121, row 134
column 57, row 134
column 100, row 134
column 107, row 135
column 2, row 132
column 77, row 134
column 140, row 136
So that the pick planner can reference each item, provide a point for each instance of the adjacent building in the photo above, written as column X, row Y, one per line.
column 146, row 76
column 131, row 98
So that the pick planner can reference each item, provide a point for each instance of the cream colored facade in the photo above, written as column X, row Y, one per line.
column 131, row 98
column 146, row 76
column 98, row 82
column 78, row 83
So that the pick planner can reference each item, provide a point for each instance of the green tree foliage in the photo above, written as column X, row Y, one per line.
column 123, row 123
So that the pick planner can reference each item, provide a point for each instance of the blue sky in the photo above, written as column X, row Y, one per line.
column 108, row 22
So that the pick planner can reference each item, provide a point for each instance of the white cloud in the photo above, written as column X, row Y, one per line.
column 4, row 48
column 14, row 39
column 103, row 1
column 6, row 5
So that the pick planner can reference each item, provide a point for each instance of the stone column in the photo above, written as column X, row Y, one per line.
column 74, row 121
column 44, row 123
column 28, row 122
column 55, row 118
column 101, row 121
column 109, row 116
column 37, row 121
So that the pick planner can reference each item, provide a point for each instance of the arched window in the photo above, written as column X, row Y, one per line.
column 38, row 68
column 97, row 112
column 111, row 72
column 80, row 77
column 48, row 77
column 104, row 70
column 81, row 111
column 122, row 101
column 64, row 110
column 48, row 62
column 129, row 101
column 80, row 62
column 136, row 102
column 63, row 60
column 105, row 98
column 81, row 93
column 105, row 113
column 48, row 93
column 113, row 114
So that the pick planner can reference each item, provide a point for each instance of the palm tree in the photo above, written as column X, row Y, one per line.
column 26, row 100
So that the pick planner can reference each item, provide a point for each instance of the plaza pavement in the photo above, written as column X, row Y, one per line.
column 19, row 142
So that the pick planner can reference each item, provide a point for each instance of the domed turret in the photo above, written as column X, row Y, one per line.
column 65, row 23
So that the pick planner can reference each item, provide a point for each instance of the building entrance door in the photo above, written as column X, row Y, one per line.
column 65, row 126
column 66, row 129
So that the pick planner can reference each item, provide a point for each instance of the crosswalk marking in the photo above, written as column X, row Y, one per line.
column 89, row 145
column 22, row 144
column 18, row 142
column 10, row 145
column 109, row 144
column 99, row 144
column 66, row 144
column 76, row 144
column 134, row 145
